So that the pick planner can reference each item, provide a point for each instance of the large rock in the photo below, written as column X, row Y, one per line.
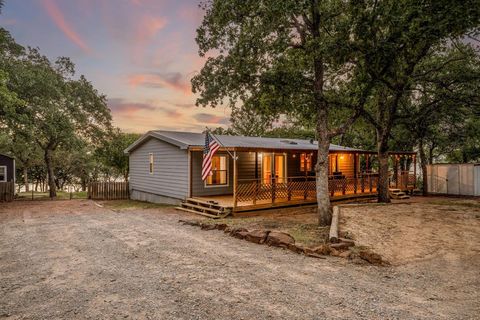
column 279, row 239
column 221, row 226
column 295, row 248
column 342, row 245
column 239, row 233
column 257, row 236
column 321, row 249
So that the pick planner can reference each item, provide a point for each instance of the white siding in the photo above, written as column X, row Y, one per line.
column 170, row 169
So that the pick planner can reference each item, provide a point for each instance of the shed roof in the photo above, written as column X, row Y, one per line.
column 186, row 140
column 6, row 155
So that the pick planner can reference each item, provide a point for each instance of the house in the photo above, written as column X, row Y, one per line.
column 7, row 168
column 249, row 172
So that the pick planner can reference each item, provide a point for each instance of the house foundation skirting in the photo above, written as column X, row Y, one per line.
column 154, row 198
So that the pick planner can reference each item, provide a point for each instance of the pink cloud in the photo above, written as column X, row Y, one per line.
column 119, row 106
column 173, row 114
column 57, row 16
column 172, row 80
column 210, row 118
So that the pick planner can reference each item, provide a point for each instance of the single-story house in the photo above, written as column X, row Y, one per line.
column 249, row 172
column 7, row 168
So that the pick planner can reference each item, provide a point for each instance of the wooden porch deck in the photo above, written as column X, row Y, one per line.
column 227, row 201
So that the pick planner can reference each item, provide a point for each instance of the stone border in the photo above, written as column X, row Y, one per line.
column 284, row 240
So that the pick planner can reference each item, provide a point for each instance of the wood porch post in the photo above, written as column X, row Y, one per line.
column 415, row 171
column 256, row 178
column 395, row 170
column 235, row 179
column 355, row 162
column 367, row 163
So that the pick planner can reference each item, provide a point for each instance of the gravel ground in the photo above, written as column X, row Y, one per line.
column 74, row 260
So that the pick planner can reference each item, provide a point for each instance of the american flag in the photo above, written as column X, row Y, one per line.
column 211, row 146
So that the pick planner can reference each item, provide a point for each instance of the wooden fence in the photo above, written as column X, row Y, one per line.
column 7, row 191
column 108, row 190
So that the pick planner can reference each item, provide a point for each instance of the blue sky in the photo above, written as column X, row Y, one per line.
column 140, row 53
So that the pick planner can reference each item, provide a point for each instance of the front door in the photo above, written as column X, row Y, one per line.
column 274, row 168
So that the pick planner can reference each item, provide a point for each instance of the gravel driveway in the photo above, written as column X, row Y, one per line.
column 74, row 260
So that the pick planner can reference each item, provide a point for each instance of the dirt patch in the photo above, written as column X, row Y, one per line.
column 417, row 230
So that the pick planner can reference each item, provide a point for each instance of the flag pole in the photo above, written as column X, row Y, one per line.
column 219, row 142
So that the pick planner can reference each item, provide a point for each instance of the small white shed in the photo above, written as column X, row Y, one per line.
column 454, row 179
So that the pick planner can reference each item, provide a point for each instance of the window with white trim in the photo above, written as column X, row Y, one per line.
column 150, row 166
column 219, row 174
column 3, row 173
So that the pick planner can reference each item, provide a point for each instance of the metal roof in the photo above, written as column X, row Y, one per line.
column 185, row 140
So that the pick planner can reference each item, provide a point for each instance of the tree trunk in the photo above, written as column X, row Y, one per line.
column 423, row 164
column 321, row 170
column 25, row 179
column 382, row 186
column 51, row 177
column 83, row 182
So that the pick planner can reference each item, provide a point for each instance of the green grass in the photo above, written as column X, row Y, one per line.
column 452, row 203
column 309, row 234
column 62, row 195
column 132, row 204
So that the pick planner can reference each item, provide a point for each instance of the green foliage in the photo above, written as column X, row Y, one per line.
column 111, row 154
column 53, row 121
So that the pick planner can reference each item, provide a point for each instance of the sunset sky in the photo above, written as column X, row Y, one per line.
column 140, row 53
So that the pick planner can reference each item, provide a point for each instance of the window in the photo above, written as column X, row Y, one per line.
column 219, row 175
column 305, row 162
column 3, row 173
column 151, row 163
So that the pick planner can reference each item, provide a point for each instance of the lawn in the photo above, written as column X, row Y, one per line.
column 61, row 195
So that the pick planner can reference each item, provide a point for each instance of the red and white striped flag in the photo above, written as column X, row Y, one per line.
column 211, row 146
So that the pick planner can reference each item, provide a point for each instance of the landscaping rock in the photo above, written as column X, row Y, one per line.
column 334, row 252
column 297, row 249
column 221, row 226
column 342, row 245
column 347, row 241
column 279, row 239
column 239, row 233
column 370, row 256
column 322, row 249
column 257, row 236
column 207, row 226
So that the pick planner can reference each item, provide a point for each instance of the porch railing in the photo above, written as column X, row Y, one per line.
column 403, row 180
column 280, row 189
column 301, row 188
column 341, row 185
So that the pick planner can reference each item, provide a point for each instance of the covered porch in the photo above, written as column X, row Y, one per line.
column 260, row 178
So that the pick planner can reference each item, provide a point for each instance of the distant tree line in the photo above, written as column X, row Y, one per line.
column 56, row 125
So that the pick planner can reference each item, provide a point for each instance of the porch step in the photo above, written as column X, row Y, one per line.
column 398, row 194
column 209, row 209
column 192, row 206
column 213, row 216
